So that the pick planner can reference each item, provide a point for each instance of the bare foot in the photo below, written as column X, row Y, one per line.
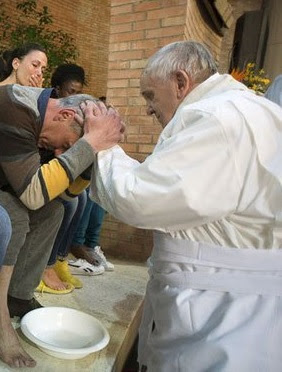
column 51, row 279
column 11, row 351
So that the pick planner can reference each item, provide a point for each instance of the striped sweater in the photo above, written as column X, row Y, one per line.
column 22, row 111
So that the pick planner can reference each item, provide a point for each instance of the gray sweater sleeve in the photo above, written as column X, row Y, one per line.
column 77, row 158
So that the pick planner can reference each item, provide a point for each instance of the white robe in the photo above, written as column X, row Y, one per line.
column 214, row 178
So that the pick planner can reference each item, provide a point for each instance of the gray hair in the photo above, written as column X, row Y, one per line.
column 190, row 56
column 74, row 102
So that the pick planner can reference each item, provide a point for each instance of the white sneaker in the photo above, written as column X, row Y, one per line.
column 100, row 257
column 82, row 267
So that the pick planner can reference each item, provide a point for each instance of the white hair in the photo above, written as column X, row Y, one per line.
column 74, row 102
column 190, row 56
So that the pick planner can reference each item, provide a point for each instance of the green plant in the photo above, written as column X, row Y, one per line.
column 36, row 25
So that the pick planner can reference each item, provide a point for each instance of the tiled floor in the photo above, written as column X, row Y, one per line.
column 115, row 298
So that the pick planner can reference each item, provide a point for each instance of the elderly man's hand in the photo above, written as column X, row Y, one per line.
column 103, row 128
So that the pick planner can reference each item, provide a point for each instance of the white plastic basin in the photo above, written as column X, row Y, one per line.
column 64, row 333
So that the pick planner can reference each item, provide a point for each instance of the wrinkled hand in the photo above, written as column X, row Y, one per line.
column 36, row 81
column 103, row 128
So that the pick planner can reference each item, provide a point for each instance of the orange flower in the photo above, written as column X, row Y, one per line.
column 253, row 78
column 237, row 74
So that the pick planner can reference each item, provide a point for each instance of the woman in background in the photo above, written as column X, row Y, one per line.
column 24, row 65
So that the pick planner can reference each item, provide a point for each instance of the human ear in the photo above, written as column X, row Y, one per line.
column 65, row 114
column 15, row 63
column 183, row 84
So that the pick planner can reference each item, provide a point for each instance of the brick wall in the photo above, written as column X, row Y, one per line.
column 198, row 30
column 88, row 23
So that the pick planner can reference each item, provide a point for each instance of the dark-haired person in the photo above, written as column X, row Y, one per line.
column 31, row 119
column 68, row 79
column 24, row 65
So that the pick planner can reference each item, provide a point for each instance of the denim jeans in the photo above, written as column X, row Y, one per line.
column 5, row 233
column 72, row 215
column 88, row 231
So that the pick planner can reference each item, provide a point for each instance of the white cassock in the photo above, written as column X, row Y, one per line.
column 212, row 193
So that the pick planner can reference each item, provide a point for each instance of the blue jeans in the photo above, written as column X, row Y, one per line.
column 88, row 230
column 5, row 232
column 72, row 216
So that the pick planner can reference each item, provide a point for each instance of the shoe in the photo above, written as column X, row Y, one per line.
column 43, row 288
column 94, row 256
column 82, row 267
column 100, row 257
column 19, row 307
column 63, row 272
column 85, row 253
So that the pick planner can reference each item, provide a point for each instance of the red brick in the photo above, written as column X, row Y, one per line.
column 136, row 35
column 118, row 65
column 120, row 46
column 165, row 31
column 131, row 129
column 139, row 138
column 125, row 27
column 146, row 25
column 144, row 44
column 146, row 148
column 128, row 18
column 166, row 11
column 120, row 2
column 129, row 147
column 118, row 83
column 139, row 101
column 173, row 21
column 133, row 110
column 124, row 92
column 151, row 129
column 134, row 82
column 127, row 8
column 147, row 5
column 126, row 55
column 120, row 74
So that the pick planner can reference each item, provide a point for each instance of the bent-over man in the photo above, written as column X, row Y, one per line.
column 30, row 119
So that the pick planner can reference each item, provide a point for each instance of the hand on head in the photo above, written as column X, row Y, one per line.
column 103, row 128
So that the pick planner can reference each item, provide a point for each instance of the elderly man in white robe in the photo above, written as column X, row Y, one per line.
column 211, row 192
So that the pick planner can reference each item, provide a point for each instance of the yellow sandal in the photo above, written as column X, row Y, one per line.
column 43, row 288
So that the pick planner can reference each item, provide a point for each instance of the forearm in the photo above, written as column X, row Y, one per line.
column 54, row 178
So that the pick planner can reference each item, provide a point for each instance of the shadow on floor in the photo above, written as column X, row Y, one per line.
column 131, row 364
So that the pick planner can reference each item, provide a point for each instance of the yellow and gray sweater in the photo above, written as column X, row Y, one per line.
column 22, row 112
